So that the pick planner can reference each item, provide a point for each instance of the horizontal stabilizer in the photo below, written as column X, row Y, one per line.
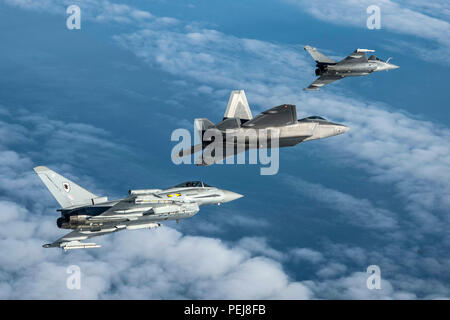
column 203, row 124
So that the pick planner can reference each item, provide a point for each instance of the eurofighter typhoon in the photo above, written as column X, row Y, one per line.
column 249, row 132
column 356, row 64
column 89, row 215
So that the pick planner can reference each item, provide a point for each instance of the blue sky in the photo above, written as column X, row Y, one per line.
column 99, row 105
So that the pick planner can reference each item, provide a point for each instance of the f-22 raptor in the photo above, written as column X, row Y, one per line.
column 89, row 215
column 248, row 132
column 356, row 64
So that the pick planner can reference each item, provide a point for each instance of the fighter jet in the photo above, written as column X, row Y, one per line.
column 356, row 64
column 89, row 215
column 238, row 122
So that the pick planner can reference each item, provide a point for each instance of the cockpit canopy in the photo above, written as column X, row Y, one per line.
column 372, row 57
column 191, row 184
column 313, row 118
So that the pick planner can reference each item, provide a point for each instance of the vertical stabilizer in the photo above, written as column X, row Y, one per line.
column 238, row 106
column 318, row 56
column 66, row 192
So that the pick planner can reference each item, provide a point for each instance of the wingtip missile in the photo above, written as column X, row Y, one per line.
column 364, row 50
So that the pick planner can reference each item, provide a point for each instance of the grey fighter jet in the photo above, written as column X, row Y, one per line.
column 356, row 64
column 239, row 124
column 89, row 215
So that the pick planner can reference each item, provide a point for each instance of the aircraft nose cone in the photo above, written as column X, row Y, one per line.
column 391, row 66
column 341, row 129
column 230, row 196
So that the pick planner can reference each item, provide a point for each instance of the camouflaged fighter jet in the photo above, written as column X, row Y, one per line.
column 356, row 64
column 89, row 215
column 238, row 122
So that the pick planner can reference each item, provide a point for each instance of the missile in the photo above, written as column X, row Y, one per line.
column 151, row 225
column 364, row 50
column 78, row 245
column 142, row 191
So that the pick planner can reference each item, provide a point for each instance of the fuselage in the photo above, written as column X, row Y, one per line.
column 145, row 207
column 306, row 129
column 354, row 69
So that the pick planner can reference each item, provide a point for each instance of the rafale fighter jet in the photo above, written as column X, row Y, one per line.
column 89, row 215
column 238, row 122
column 356, row 64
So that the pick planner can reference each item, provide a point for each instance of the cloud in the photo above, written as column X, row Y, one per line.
column 331, row 270
column 307, row 254
column 357, row 211
column 416, row 272
column 156, row 264
column 410, row 154
column 207, row 56
column 354, row 287
column 259, row 245
column 101, row 11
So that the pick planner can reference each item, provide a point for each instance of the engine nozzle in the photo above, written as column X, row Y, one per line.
column 60, row 222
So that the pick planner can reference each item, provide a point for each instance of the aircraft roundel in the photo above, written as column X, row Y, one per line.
column 66, row 186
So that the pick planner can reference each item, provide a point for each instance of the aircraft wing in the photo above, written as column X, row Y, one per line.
column 117, row 211
column 73, row 239
column 321, row 81
column 121, row 216
column 289, row 142
column 198, row 147
column 206, row 160
column 359, row 55
column 283, row 115
column 192, row 150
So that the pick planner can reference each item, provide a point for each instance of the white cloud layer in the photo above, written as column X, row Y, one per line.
column 357, row 211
